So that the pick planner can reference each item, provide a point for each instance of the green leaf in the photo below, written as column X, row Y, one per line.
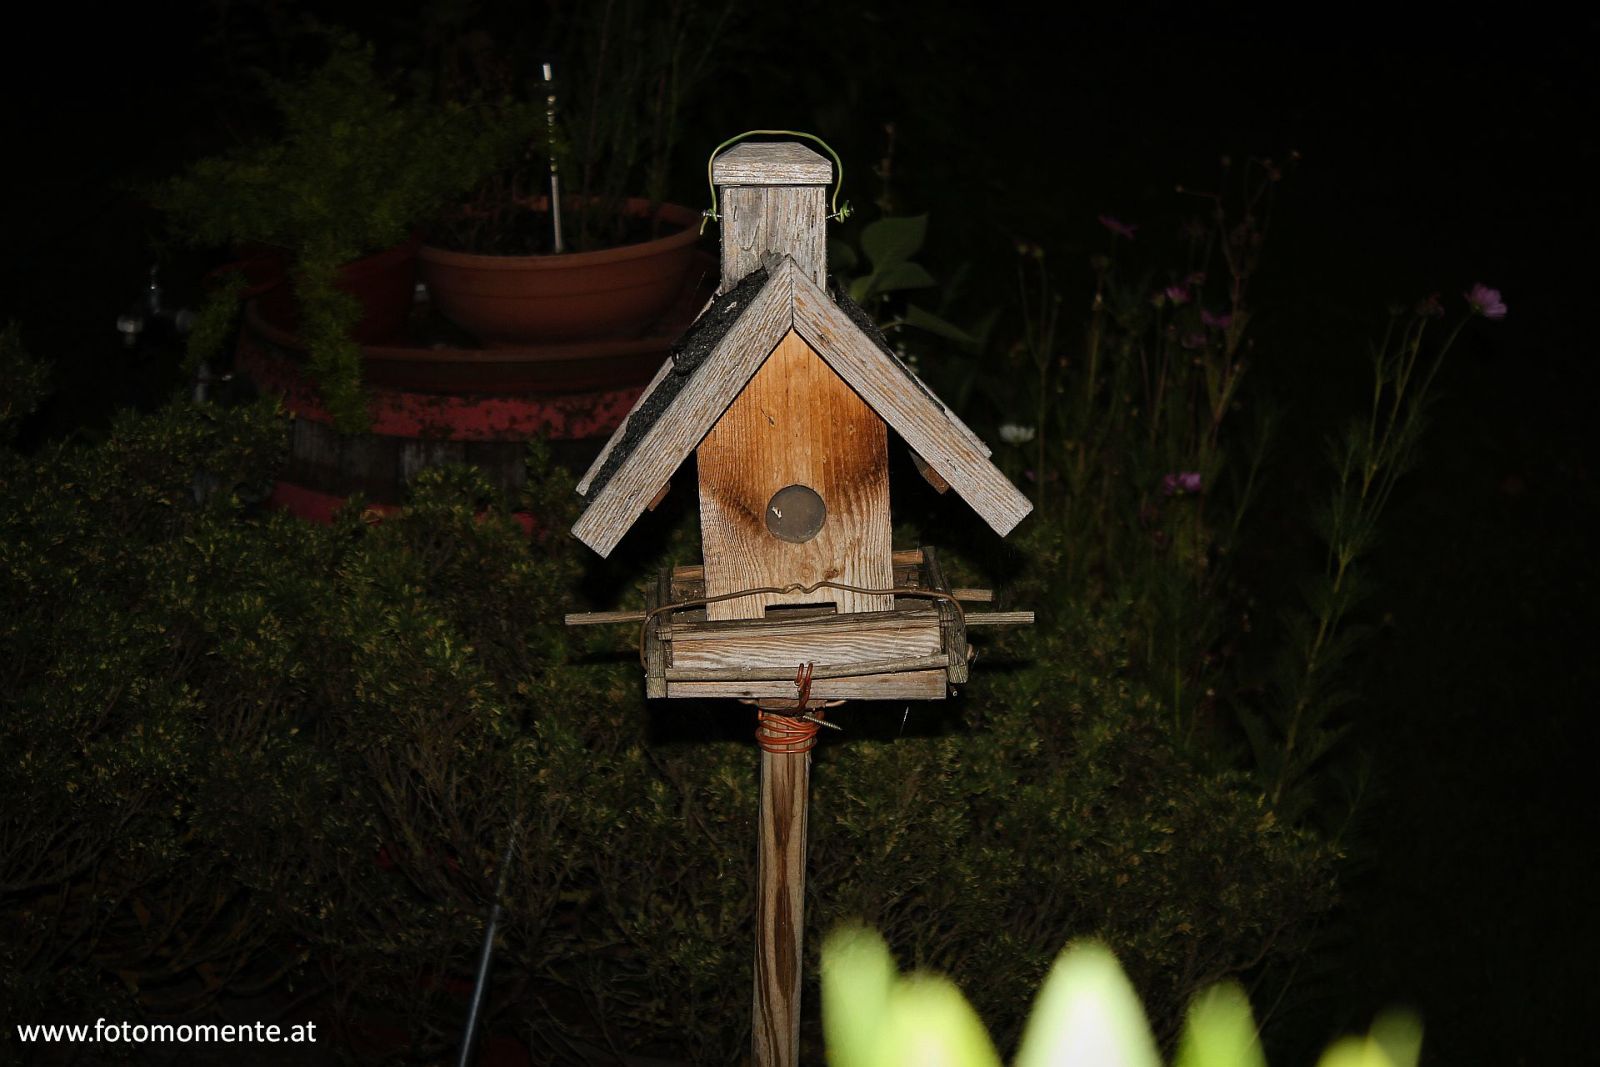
column 1087, row 1015
column 858, row 975
column 842, row 259
column 893, row 240
column 1220, row 1031
column 903, row 275
column 930, row 1024
column 939, row 327
column 1399, row 1034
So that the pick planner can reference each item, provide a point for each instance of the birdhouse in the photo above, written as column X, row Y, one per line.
column 788, row 396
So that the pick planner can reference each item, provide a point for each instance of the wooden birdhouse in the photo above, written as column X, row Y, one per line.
column 788, row 396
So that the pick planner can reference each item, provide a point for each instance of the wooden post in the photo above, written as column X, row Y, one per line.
column 780, row 907
column 774, row 199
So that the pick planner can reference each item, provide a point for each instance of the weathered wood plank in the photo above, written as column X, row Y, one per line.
column 825, row 648
column 908, row 685
column 953, row 635
column 927, row 426
column 655, row 654
column 795, row 424
column 673, row 435
column 771, row 163
column 603, row 618
column 999, row 618
column 605, row 453
column 930, row 475
column 819, row 670
column 920, row 615
column 758, row 221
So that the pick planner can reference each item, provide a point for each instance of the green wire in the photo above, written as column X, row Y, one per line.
column 839, row 213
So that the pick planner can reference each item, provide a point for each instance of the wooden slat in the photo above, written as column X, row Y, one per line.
column 907, row 685
column 953, row 635
column 930, row 475
column 973, row 596
column 825, row 648
column 918, row 616
column 603, row 618
column 999, row 618
column 819, row 670
column 927, row 427
column 671, row 438
column 655, row 655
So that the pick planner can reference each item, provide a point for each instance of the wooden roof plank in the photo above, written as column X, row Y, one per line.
column 680, row 428
column 924, row 423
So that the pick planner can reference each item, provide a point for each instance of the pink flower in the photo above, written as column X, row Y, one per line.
column 1486, row 301
column 1180, row 482
column 1216, row 322
column 1121, row 229
column 1178, row 294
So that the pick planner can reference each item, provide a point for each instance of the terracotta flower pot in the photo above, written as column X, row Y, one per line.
column 575, row 296
column 384, row 283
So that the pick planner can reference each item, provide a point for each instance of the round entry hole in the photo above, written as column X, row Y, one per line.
column 796, row 514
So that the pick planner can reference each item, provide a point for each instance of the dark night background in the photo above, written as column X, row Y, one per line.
column 1434, row 154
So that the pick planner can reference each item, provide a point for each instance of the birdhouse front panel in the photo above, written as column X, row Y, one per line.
column 794, row 489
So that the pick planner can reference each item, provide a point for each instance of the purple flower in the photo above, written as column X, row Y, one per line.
column 1121, row 229
column 1180, row 482
column 1178, row 294
column 1216, row 322
column 1486, row 301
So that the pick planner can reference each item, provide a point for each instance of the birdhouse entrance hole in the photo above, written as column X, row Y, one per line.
column 796, row 514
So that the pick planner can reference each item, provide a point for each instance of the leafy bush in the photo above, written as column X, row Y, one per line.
column 1086, row 1015
column 353, row 171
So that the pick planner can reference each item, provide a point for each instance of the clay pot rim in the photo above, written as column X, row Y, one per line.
column 673, row 214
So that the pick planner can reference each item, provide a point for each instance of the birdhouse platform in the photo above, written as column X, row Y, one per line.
column 915, row 650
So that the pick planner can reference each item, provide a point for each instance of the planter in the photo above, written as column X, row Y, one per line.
column 431, row 402
column 576, row 296
column 384, row 283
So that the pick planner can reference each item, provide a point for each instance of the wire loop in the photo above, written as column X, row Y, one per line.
column 839, row 213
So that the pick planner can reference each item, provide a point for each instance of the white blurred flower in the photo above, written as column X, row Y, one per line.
column 1012, row 434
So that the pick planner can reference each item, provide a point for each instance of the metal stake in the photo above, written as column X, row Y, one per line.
column 486, row 955
column 555, row 176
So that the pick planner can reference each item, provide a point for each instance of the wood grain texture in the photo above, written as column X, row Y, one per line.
column 932, row 431
column 907, row 685
column 780, row 907
column 795, row 423
column 761, row 221
column 726, row 369
column 771, row 163
column 824, row 647
column 694, row 572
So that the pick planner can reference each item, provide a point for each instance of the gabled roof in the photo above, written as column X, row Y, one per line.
column 717, row 358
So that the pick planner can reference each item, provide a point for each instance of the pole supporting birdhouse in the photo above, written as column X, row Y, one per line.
column 787, row 393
